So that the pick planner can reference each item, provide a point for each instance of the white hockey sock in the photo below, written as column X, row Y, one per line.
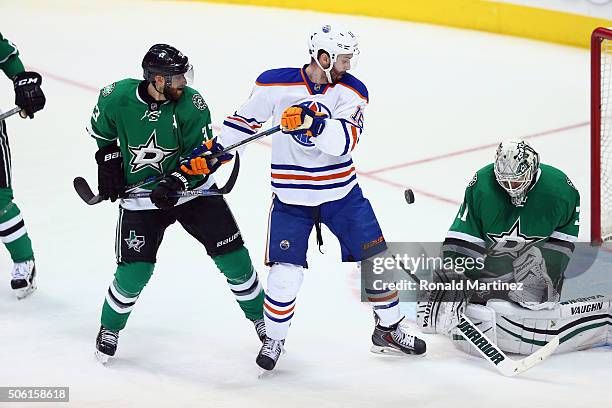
column 284, row 281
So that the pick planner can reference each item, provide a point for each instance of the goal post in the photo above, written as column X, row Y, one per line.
column 601, row 135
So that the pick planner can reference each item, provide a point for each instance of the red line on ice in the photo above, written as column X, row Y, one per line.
column 472, row 149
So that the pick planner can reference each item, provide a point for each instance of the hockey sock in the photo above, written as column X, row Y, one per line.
column 130, row 279
column 385, row 303
column 12, row 228
column 243, row 281
column 284, row 281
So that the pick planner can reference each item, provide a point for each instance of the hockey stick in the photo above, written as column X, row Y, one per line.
column 84, row 191
column 9, row 113
column 86, row 194
column 247, row 140
column 498, row 358
column 493, row 354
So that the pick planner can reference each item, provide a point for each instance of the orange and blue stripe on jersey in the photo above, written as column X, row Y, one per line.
column 351, row 135
column 313, row 178
column 280, row 77
column 249, row 126
column 297, row 76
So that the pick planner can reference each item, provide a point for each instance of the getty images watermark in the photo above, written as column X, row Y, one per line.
column 410, row 264
column 414, row 270
column 409, row 268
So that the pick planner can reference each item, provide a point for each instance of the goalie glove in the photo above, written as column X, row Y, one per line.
column 199, row 163
column 299, row 120
column 538, row 291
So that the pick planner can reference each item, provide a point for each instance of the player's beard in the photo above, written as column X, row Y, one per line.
column 336, row 76
column 173, row 94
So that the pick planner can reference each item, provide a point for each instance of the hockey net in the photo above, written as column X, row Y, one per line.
column 601, row 135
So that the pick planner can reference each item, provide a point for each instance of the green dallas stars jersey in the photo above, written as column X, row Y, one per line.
column 489, row 224
column 10, row 63
column 153, row 136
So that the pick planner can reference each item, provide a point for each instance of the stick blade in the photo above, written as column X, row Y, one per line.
column 84, row 191
column 227, row 188
column 511, row 368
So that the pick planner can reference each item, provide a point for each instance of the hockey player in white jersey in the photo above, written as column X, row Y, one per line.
column 320, row 108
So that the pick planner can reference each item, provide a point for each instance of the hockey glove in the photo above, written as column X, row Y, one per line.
column 298, row 120
column 161, row 195
column 28, row 94
column 111, row 183
column 199, row 163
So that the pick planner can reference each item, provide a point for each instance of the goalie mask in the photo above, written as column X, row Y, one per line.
column 334, row 40
column 516, row 165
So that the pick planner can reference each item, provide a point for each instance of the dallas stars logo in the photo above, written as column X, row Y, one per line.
column 513, row 242
column 135, row 242
column 150, row 154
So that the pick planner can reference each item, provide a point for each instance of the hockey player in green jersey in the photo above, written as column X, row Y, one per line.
column 523, row 216
column 144, row 128
column 13, row 233
column 518, row 223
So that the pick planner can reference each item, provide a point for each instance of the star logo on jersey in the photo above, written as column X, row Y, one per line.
column 135, row 242
column 513, row 242
column 150, row 154
column 317, row 107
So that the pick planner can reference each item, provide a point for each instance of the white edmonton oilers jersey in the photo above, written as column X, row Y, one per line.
column 305, row 170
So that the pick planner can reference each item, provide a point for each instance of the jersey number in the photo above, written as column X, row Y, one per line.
column 358, row 117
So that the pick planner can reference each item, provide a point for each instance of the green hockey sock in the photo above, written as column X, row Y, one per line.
column 243, row 282
column 123, row 292
column 12, row 228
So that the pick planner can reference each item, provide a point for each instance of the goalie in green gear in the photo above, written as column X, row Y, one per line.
column 144, row 129
column 518, row 224
column 13, row 232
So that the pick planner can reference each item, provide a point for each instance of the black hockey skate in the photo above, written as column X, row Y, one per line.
column 106, row 344
column 23, row 278
column 393, row 340
column 260, row 328
column 269, row 353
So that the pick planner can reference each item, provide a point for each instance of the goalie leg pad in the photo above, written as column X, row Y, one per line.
column 580, row 324
column 483, row 317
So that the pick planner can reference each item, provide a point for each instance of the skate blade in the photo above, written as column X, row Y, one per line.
column 390, row 351
column 262, row 374
column 102, row 358
column 22, row 293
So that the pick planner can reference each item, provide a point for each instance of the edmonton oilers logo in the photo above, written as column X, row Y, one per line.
column 317, row 107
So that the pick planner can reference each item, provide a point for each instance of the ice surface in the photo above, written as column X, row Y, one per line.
column 434, row 92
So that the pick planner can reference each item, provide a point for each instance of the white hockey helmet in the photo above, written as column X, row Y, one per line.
column 335, row 40
column 516, row 165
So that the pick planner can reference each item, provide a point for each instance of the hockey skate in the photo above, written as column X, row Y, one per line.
column 106, row 344
column 23, row 278
column 260, row 328
column 269, row 353
column 393, row 340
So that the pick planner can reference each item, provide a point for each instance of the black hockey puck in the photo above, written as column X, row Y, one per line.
column 409, row 196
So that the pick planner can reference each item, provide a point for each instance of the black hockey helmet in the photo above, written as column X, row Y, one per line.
column 164, row 59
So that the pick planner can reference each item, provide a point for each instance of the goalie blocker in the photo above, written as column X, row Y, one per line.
column 580, row 323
